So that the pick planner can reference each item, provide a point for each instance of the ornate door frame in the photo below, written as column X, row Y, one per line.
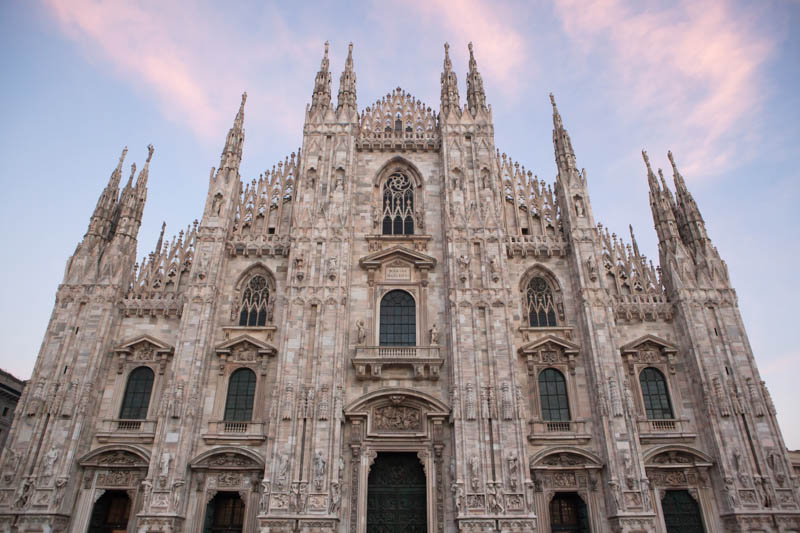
column 396, row 420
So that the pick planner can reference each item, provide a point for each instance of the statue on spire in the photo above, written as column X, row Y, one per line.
column 476, row 97
column 450, row 99
column 347, row 87
column 321, row 98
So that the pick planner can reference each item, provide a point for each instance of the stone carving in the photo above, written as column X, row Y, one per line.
column 434, row 335
column 332, row 268
column 10, row 466
column 282, row 471
column 458, row 497
column 492, row 499
column 563, row 459
column 58, row 493
column 616, row 400
column 755, row 400
column 397, row 418
column 323, row 406
column 591, row 268
column 507, row 403
column 768, row 399
column 471, row 415
column 629, row 405
column 513, row 469
column 336, row 498
column 163, row 467
column 23, row 494
column 720, row 397
column 361, row 332
column 288, row 402
column 463, row 267
column 176, row 402
column 474, row 472
column 494, row 271
column 320, row 465
column 49, row 462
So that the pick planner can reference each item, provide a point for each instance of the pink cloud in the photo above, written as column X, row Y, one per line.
column 693, row 65
column 499, row 48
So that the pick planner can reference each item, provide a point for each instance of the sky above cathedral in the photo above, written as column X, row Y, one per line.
column 714, row 81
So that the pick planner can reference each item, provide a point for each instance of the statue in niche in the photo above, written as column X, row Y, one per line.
column 580, row 208
column 319, row 469
column 434, row 333
column 58, row 495
column 216, row 204
column 336, row 498
column 513, row 470
column 332, row 268
column 493, row 270
column 49, row 462
column 495, row 506
column 458, row 497
column 282, row 470
column 474, row 472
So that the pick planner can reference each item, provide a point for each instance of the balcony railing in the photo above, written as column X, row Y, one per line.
column 573, row 430
column 669, row 428
column 424, row 361
column 121, row 430
column 244, row 429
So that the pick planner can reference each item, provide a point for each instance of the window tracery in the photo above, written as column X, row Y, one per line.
column 398, row 205
column 540, row 304
column 255, row 307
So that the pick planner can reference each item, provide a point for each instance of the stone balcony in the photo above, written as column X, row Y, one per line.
column 240, row 432
column 424, row 362
column 575, row 431
column 666, row 429
column 119, row 430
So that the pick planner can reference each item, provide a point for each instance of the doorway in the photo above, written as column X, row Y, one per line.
column 681, row 512
column 224, row 514
column 396, row 494
column 111, row 513
column 568, row 514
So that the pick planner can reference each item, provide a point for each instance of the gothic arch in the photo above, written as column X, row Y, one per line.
column 252, row 270
column 539, row 270
column 398, row 164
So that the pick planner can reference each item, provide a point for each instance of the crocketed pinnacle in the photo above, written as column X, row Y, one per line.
column 476, row 97
column 232, row 153
column 562, row 144
column 691, row 221
column 450, row 99
column 321, row 98
column 347, row 86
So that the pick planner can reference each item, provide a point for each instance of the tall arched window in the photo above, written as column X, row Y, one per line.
column 541, row 307
column 241, row 393
column 137, row 394
column 255, row 301
column 655, row 394
column 553, row 396
column 398, row 320
column 398, row 205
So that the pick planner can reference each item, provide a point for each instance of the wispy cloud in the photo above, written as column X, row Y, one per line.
column 189, row 59
column 694, row 65
column 499, row 48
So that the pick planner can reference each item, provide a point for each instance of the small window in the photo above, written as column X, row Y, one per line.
column 553, row 396
column 398, row 205
column 255, row 299
column 541, row 307
column 5, row 411
column 398, row 320
column 655, row 394
column 137, row 394
column 241, row 393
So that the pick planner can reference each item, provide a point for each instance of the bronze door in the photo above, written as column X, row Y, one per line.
column 396, row 500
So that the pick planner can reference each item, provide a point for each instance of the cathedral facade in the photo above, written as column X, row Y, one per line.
column 396, row 329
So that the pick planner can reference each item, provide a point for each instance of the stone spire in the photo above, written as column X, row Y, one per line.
column 562, row 144
column 476, row 97
column 132, row 200
column 347, row 87
column 661, row 205
column 102, row 217
column 690, row 221
column 321, row 98
column 232, row 153
column 450, row 99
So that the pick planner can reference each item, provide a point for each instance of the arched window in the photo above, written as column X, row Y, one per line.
column 255, row 302
column 398, row 205
column 655, row 394
column 398, row 320
column 241, row 393
column 541, row 307
column 137, row 394
column 553, row 396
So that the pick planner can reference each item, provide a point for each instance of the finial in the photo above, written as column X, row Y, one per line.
column 123, row 154
column 675, row 172
column 150, row 150
column 552, row 100
column 647, row 161
column 350, row 48
column 244, row 98
column 326, row 48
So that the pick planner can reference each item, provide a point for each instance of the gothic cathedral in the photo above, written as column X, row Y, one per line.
column 395, row 329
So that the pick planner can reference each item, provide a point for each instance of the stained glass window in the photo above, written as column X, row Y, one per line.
column 655, row 394
column 541, row 307
column 553, row 396
column 241, row 393
column 398, row 320
column 398, row 205
column 137, row 394
column 255, row 301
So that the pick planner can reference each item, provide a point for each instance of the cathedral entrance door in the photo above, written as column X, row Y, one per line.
column 681, row 512
column 224, row 514
column 396, row 495
column 110, row 513
column 568, row 514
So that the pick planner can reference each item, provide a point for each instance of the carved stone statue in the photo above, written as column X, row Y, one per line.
column 474, row 472
column 361, row 332
column 434, row 333
column 458, row 497
column 513, row 469
column 336, row 498
column 50, row 461
column 319, row 469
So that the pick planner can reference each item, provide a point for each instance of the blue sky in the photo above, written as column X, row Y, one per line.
column 714, row 81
